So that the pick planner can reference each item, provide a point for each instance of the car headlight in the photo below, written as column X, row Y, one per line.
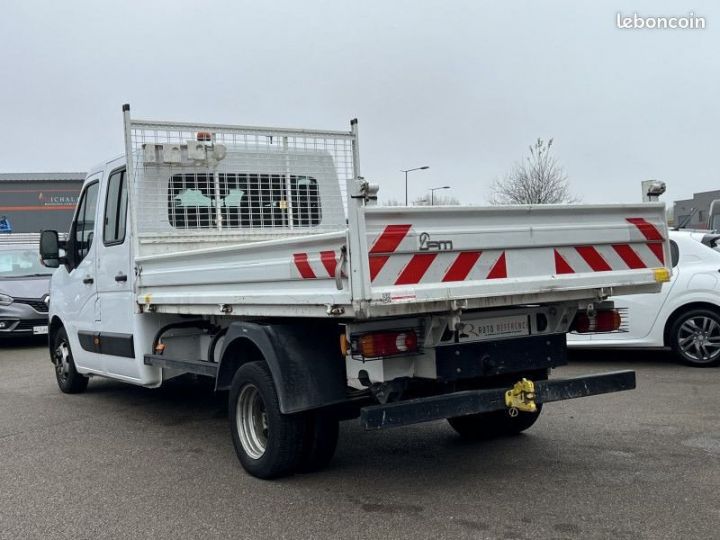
column 5, row 300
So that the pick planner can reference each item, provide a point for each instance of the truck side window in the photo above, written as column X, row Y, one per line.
column 254, row 200
column 84, row 227
column 115, row 209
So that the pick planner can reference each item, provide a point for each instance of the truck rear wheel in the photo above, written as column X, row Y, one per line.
column 493, row 424
column 268, row 443
column 68, row 378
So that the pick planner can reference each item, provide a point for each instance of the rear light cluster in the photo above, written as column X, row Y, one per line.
column 382, row 344
column 603, row 321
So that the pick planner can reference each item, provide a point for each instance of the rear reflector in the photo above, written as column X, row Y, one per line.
column 603, row 321
column 343, row 345
column 662, row 275
column 387, row 344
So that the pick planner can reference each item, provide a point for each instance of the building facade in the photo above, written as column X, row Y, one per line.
column 682, row 210
column 31, row 202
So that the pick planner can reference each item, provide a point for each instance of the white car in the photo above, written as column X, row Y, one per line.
column 684, row 316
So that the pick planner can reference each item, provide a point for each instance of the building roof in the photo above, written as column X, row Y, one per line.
column 715, row 194
column 43, row 177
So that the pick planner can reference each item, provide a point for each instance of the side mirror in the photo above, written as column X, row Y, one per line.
column 50, row 249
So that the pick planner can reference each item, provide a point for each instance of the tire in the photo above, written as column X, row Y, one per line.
column 482, row 426
column 321, row 437
column 695, row 338
column 68, row 378
column 268, row 444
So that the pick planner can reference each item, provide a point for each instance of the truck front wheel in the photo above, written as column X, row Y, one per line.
column 493, row 424
column 268, row 443
column 68, row 378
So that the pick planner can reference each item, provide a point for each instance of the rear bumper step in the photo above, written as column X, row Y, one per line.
column 414, row 411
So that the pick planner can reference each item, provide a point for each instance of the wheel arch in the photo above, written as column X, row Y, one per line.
column 236, row 352
column 679, row 311
column 54, row 325
column 304, row 358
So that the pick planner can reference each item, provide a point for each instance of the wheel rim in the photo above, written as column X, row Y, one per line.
column 699, row 339
column 251, row 419
column 63, row 358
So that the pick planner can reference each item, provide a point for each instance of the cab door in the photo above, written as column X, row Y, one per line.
column 114, row 281
column 75, row 287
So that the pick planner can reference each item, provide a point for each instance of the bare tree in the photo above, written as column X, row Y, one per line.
column 539, row 179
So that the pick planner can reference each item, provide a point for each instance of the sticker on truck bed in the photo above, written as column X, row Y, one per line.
column 393, row 298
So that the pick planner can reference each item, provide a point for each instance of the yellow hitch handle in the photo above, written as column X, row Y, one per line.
column 521, row 397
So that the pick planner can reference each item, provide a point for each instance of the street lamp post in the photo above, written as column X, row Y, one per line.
column 432, row 193
column 406, row 171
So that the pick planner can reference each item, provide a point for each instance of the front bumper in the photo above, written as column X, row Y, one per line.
column 414, row 411
column 21, row 319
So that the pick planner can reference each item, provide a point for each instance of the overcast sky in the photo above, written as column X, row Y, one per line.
column 463, row 87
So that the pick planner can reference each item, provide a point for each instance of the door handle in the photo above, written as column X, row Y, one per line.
column 88, row 280
column 120, row 277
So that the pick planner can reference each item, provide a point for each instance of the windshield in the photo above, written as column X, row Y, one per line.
column 21, row 262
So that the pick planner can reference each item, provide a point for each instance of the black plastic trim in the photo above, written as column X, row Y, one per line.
column 111, row 343
column 490, row 358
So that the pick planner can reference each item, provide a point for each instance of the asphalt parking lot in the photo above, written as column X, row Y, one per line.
column 120, row 461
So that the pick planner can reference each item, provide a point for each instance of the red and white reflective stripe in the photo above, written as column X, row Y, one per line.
column 629, row 257
column 461, row 266
column 604, row 258
column 394, row 258
column 648, row 230
column 384, row 245
column 416, row 268
column 303, row 266
column 445, row 267
column 499, row 269
column 390, row 267
column 593, row 258
column 653, row 235
column 316, row 265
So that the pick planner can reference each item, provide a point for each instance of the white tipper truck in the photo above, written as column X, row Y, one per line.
column 258, row 257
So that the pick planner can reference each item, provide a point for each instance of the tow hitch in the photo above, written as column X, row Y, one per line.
column 521, row 397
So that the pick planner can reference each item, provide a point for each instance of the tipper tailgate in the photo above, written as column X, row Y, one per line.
column 429, row 254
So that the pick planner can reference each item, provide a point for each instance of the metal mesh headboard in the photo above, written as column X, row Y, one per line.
column 192, row 183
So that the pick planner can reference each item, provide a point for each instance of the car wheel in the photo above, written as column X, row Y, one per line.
column 695, row 338
column 68, row 378
column 268, row 444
